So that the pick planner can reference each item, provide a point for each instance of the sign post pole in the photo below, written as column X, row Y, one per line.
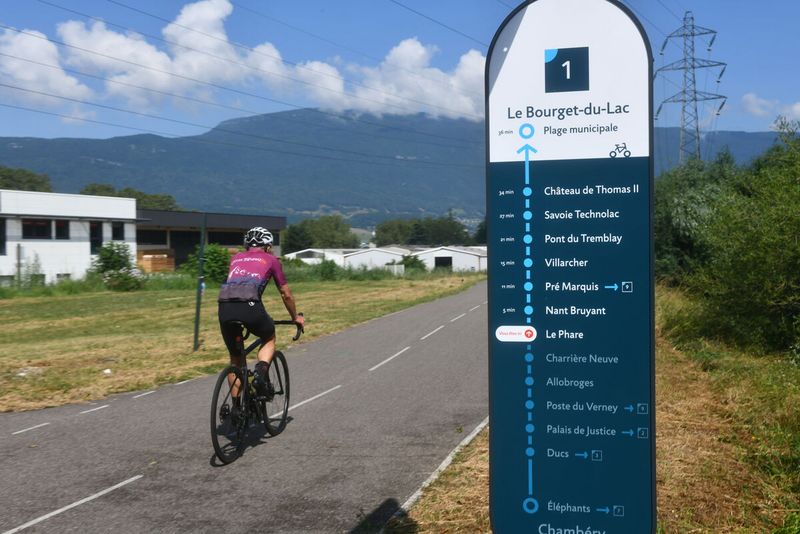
column 571, row 291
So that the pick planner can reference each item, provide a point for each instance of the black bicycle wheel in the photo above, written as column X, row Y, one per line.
column 228, row 420
column 276, row 407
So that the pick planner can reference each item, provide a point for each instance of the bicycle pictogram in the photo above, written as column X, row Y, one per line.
column 620, row 149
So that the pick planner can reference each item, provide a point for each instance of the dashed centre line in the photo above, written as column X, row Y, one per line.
column 143, row 394
column 73, row 505
column 95, row 409
column 29, row 428
column 475, row 307
column 185, row 381
column 315, row 397
column 429, row 334
column 454, row 319
column 390, row 358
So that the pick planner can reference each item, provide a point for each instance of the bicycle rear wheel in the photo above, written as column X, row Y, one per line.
column 228, row 418
column 276, row 407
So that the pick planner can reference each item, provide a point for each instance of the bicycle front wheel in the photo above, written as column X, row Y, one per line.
column 228, row 418
column 276, row 407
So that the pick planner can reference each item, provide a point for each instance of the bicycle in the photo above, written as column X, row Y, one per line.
column 231, row 420
column 620, row 149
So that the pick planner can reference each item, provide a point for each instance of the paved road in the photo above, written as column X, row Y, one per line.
column 347, row 460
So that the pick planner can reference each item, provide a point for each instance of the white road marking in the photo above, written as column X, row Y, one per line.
column 315, row 397
column 95, row 409
column 475, row 307
column 454, row 319
column 390, row 358
column 187, row 380
column 26, row 429
column 73, row 505
column 429, row 334
column 485, row 302
column 143, row 394
column 444, row 465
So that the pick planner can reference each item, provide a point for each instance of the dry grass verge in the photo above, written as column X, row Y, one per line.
column 54, row 350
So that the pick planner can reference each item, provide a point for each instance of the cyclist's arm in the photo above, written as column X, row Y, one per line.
column 288, row 301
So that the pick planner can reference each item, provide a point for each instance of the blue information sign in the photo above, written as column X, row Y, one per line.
column 569, row 220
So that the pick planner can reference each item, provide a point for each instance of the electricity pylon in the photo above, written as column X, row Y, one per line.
column 689, row 96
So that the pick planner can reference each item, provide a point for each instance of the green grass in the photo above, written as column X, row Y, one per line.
column 761, row 392
column 63, row 343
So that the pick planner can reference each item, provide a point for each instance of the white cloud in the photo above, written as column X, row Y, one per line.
column 405, row 82
column 792, row 111
column 32, row 76
column 760, row 107
column 200, row 53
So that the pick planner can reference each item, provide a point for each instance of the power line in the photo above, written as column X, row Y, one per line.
column 222, row 87
column 440, row 23
column 669, row 10
column 258, row 52
column 173, row 136
column 220, row 105
column 217, row 128
column 345, row 47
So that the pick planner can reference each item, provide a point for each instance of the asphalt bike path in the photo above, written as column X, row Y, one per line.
column 374, row 410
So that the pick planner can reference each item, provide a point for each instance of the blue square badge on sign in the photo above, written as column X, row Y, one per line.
column 566, row 69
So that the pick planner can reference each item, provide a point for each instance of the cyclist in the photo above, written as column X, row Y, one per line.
column 240, row 300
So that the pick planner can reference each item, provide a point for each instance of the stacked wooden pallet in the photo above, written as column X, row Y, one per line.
column 156, row 261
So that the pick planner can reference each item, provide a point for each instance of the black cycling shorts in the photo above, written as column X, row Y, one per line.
column 251, row 314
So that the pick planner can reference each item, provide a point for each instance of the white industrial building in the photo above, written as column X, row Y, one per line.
column 353, row 258
column 54, row 236
column 451, row 257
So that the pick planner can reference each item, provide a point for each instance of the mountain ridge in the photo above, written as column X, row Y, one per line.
column 305, row 163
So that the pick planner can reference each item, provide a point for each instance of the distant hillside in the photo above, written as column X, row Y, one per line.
column 387, row 167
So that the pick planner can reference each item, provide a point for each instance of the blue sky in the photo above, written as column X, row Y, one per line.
column 241, row 57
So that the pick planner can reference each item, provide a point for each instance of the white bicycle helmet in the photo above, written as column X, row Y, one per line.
column 257, row 237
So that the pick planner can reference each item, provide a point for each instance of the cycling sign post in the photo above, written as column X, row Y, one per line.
column 571, row 294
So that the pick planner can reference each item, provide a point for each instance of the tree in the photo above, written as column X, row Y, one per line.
column 480, row 233
column 329, row 231
column 296, row 237
column 395, row 231
column 24, row 180
column 147, row 201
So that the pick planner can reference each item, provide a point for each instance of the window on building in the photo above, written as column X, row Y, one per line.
column 95, row 236
column 63, row 276
column 118, row 231
column 228, row 239
column 62, row 229
column 151, row 237
column 2, row 237
column 37, row 228
column 7, row 280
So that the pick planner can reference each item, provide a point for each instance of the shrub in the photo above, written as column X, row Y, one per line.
column 112, row 256
column 413, row 263
column 750, row 281
column 126, row 279
column 215, row 265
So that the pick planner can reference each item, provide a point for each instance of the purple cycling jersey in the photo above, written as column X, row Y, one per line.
column 256, row 266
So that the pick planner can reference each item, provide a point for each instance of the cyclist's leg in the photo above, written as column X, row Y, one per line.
column 232, row 335
column 261, row 325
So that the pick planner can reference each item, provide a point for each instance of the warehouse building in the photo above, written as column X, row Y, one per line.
column 53, row 236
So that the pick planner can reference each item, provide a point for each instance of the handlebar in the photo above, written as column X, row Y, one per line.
column 300, row 328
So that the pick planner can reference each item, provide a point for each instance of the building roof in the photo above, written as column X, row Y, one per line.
column 194, row 219
column 66, row 206
column 474, row 251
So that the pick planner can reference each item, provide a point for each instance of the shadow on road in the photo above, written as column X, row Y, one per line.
column 377, row 519
column 256, row 435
